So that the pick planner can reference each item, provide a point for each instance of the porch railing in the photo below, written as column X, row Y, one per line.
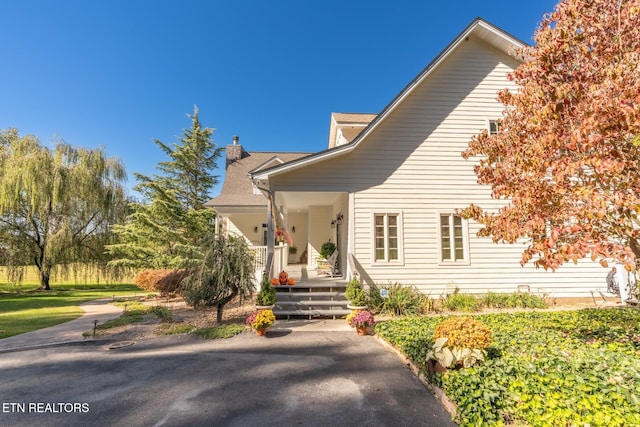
column 272, row 265
column 259, row 254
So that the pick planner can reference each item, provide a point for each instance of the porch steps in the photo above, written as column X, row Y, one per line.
column 311, row 298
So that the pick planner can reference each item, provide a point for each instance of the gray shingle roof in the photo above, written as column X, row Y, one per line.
column 237, row 189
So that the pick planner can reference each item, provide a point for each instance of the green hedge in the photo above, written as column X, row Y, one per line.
column 544, row 368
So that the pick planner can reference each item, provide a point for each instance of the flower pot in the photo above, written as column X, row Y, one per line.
column 356, row 307
column 361, row 330
column 261, row 332
column 265, row 307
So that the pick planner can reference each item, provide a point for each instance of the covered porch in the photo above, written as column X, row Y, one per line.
column 305, row 221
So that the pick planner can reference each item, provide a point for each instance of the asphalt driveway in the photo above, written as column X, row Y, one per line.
column 292, row 377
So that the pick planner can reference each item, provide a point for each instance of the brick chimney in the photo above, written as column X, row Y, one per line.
column 234, row 151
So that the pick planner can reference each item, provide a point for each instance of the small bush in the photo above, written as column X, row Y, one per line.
column 355, row 293
column 463, row 332
column 401, row 300
column 461, row 302
column 267, row 294
column 513, row 300
column 525, row 300
column 164, row 281
column 494, row 300
column 375, row 299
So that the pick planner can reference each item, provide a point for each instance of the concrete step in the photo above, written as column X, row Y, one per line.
column 312, row 285
column 312, row 298
column 311, row 313
column 290, row 295
column 342, row 304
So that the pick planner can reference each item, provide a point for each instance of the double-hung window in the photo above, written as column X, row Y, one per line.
column 494, row 126
column 453, row 239
column 387, row 237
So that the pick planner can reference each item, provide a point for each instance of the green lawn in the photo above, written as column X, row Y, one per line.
column 558, row 368
column 24, row 308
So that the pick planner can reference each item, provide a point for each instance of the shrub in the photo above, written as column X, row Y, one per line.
column 494, row 300
column 376, row 301
column 526, row 300
column 403, row 300
column 164, row 281
column 463, row 332
column 513, row 300
column 461, row 302
column 267, row 294
column 354, row 293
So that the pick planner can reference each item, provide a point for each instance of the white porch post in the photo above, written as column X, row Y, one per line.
column 351, row 235
column 271, row 235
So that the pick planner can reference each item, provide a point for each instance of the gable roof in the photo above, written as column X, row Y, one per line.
column 349, row 124
column 237, row 189
column 479, row 28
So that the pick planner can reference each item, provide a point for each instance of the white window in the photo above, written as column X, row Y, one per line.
column 453, row 239
column 494, row 126
column 387, row 237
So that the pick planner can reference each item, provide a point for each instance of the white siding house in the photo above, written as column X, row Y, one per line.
column 387, row 197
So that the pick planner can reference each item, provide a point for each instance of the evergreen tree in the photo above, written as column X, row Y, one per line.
column 191, row 162
column 165, row 229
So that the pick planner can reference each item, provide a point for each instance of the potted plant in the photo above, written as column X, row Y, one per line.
column 355, row 294
column 327, row 249
column 361, row 320
column 459, row 342
column 260, row 320
column 292, row 254
column 266, row 298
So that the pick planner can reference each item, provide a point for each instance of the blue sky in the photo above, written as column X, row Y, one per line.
column 122, row 73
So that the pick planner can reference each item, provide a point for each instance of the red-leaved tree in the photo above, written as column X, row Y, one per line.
column 567, row 155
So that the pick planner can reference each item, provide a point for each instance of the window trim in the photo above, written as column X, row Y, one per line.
column 497, row 124
column 386, row 213
column 466, row 260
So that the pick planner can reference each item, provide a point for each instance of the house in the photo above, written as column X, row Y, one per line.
column 387, row 188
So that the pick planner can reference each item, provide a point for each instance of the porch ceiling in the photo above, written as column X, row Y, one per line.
column 298, row 201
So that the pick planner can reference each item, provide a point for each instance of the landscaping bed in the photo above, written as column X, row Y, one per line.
column 578, row 367
column 168, row 316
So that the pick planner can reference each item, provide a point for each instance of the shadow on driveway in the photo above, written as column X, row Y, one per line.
column 290, row 377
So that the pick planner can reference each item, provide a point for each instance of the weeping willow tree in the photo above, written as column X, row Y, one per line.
column 56, row 204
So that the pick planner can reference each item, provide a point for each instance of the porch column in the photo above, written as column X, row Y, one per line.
column 351, row 236
column 271, row 234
